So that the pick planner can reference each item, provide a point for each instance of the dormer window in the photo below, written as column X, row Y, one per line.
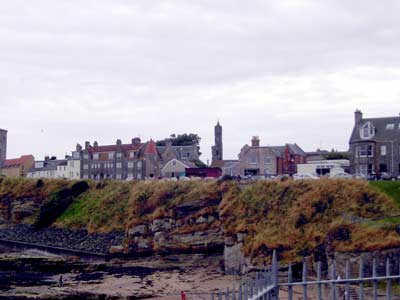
column 390, row 126
column 367, row 131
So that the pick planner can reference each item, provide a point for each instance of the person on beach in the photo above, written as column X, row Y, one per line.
column 183, row 296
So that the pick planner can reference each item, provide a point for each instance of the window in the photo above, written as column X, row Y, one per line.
column 110, row 155
column 118, row 176
column 253, row 159
column 399, row 126
column 383, row 150
column 382, row 168
column 96, row 156
column 174, row 163
column 267, row 160
column 85, row 166
column 130, row 164
column 365, row 151
column 184, row 155
column 363, row 169
column 119, row 165
column 71, row 164
column 119, row 155
column 370, row 168
column 139, row 165
column 367, row 131
column 390, row 126
column 86, row 156
column 132, row 154
column 85, row 176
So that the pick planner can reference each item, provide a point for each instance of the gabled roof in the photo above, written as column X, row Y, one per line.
column 50, row 165
column 381, row 133
column 150, row 147
column 185, row 164
column 279, row 150
column 113, row 148
column 16, row 162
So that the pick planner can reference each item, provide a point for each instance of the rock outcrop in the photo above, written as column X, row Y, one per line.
column 195, row 228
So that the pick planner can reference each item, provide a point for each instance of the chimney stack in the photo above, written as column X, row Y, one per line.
column 255, row 142
column 119, row 142
column 87, row 145
column 358, row 116
column 136, row 141
column 95, row 144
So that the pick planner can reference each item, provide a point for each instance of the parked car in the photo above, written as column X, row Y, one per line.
column 360, row 176
column 343, row 175
column 385, row 176
column 301, row 176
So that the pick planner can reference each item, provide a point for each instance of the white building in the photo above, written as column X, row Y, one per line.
column 68, row 168
column 324, row 167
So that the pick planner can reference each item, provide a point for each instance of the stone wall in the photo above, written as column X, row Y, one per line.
column 79, row 240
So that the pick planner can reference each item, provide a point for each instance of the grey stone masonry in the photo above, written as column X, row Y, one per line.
column 3, row 146
column 375, row 145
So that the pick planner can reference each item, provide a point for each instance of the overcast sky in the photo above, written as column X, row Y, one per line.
column 287, row 71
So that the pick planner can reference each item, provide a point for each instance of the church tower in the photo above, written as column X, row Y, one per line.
column 3, row 146
column 217, row 150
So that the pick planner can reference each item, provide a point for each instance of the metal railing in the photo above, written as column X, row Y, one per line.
column 267, row 286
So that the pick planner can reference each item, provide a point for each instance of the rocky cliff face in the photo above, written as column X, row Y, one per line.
column 195, row 228
column 14, row 210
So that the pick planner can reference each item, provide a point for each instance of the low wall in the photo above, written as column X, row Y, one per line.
column 51, row 237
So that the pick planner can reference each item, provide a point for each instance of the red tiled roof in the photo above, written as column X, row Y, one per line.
column 110, row 148
column 150, row 148
column 17, row 161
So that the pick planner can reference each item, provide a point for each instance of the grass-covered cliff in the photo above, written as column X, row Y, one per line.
column 299, row 218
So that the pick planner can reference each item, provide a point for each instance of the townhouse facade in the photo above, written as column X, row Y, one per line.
column 270, row 160
column 135, row 160
column 375, row 145
column 51, row 167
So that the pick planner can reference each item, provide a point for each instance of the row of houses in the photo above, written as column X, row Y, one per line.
column 374, row 148
column 134, row 160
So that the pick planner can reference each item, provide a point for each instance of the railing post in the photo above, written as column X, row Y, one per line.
column 361, row 276
column 333, row 277
column 389, row 282
column 290, row 279
column 304, row 278
column 347, row 276
column 275, row 291
column 319, row 271
column 375, row 282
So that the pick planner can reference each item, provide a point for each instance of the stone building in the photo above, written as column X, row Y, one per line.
column 375, row 145
column 3, row 146
column 270, row 160
column 256, row 159
column 17, row 167
column 135, row 160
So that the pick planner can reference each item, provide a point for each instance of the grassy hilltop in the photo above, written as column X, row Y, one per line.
column 298, row 218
